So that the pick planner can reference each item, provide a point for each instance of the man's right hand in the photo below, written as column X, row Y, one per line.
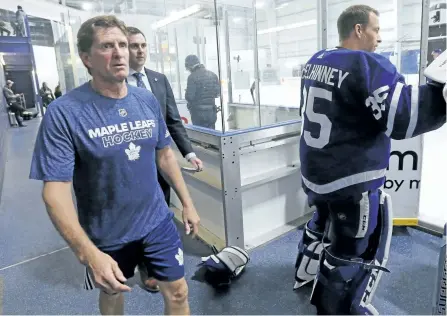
column 106, row 273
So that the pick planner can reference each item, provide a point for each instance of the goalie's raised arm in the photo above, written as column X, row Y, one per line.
column 402, row 111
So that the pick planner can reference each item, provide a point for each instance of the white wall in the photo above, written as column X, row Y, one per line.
column 433, row 185
column 46, row 66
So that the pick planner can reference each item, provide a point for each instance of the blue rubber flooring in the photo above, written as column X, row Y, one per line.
column 52, row 283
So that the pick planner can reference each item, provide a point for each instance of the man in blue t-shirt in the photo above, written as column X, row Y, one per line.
column 106, row 137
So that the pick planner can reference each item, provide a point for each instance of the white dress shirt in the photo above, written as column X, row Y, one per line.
column 133, row 81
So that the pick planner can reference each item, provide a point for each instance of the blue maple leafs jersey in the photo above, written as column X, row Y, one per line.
column 352, row 104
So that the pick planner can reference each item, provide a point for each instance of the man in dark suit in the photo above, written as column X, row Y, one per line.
column 159, row 85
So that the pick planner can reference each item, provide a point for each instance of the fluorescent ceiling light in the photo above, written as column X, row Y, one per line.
column 175, row 16
column 87, row 6
column 288, row 27
column 282, row 6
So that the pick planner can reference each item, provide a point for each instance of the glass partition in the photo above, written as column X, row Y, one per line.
column 400, row 24
column 63, row 56
column 256, row 49
column 287, row 37
column 239, row 61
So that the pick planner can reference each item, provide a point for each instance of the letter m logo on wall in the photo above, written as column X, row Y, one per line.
column 401, row 159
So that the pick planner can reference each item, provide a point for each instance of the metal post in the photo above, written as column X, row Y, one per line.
column 439, row 300
column 256, row 62
column 228, row 56
column 219, row 64
column 424, row 39
column 398, row 8
column 157, row 53
column 37, row 98
column 177, row 65
column 198, row 39
column 322, row 23
column 231, row 191
column 160, row 35
column 425, row 20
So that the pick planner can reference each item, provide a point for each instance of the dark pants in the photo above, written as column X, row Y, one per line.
column 204, row 117
column 18, row 111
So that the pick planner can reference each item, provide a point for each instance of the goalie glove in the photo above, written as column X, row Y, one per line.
column 437, row 71
column 225, row 265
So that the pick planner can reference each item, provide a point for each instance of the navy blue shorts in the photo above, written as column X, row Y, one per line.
column 161, row 251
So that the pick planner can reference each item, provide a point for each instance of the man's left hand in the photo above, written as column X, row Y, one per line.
column 191, row 220
column 196, row 163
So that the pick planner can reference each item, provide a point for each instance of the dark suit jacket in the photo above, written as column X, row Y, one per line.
column 163, row 92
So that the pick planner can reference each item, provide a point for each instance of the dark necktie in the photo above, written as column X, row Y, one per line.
column 140, row 82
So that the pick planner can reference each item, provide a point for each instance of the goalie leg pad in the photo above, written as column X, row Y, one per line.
column 310, row 247
column 348, row 274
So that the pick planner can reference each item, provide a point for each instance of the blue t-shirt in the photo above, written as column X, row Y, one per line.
column 107, row 147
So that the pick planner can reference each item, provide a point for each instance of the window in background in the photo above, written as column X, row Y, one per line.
column 189, row 29
column 400, row 23
column 409, row 46
column 287, row 38
column 62, row 52
column 237, row 50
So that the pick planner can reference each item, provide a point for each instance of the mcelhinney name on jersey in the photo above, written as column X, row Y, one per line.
column 324, row 74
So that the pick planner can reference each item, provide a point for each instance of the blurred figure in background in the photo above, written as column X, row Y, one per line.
column 57, row 91
column 15, row 102
column 202, row 89
column 20, row 20
column 46, row 94
column 436, row 53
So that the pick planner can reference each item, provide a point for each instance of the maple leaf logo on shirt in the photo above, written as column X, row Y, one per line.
column 133, row 153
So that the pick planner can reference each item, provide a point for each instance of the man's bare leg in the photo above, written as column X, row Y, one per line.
column 175, row 295
column 111, row 304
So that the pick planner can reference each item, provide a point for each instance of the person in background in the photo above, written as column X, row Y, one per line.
column 46, row 94
column 436, row 53
column 202, row 89
column 4, row 30
column 158, row 84
column 57, row 91
column 20, row 21
column 14, row 102
column 105, row 139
